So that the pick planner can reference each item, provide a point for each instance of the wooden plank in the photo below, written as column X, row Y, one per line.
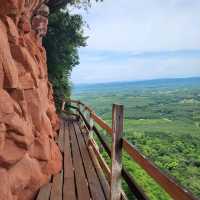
column 56, row 189
column 96, row 118
column 133, row 186
column 101, row 175
column 91, row 123
column 84, row 122
column 80, row 177
column 69, row 191
column 123, row 197
column 117, row 127
column 102, row 163
column 103, row 142
column 101, row 123
column 44, row 192
column 103, row 170
column 94, row 184
column 63, row 105
column 171, row 187
column 71, row 101
column 61, row 136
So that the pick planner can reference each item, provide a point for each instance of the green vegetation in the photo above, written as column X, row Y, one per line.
column 162, row 119
column 65, row 35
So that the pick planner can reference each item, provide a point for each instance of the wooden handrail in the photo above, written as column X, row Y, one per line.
column 102, row 123
column 134, row 188
column 171, row 187
column 94, row 116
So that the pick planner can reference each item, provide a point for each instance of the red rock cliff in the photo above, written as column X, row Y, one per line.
column 28, row 121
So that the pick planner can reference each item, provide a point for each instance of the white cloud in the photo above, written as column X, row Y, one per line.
column 145, row 25
column 136, row 69
column 119, row 28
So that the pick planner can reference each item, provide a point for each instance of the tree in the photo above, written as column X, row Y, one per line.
column 65, row 35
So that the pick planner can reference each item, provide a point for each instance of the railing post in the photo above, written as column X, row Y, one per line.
column 63, row 105
column 84, row 112
column 79, row 105
column 79, row 109
column 91, row 123
column 117, row 133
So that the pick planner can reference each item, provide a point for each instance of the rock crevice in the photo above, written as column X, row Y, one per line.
column 28, row 120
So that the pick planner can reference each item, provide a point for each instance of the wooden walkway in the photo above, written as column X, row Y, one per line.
column 80, row 178
column 86, row 175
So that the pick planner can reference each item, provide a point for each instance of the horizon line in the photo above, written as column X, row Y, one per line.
column 142, row 80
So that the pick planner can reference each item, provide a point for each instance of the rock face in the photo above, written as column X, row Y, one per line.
column 28, row 120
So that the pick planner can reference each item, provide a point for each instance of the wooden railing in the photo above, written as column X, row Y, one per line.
column 116, row 172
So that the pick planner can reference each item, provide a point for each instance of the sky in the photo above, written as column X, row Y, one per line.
column 132, row 40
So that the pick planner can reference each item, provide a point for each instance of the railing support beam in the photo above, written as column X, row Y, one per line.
column 63, row 105
column 117, row 134
column 91, row 122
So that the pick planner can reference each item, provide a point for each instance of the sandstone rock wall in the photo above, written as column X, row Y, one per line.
column 28, row 121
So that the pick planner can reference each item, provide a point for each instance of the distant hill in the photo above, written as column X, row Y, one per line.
column 136, row 85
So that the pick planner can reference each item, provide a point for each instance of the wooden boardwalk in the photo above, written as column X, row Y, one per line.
column 80, row 178
column 86, row 175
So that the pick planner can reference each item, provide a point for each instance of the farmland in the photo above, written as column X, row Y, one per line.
column 162, row 119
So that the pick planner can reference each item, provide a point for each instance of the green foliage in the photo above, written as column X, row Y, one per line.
column 162, row 121
column 65, row 36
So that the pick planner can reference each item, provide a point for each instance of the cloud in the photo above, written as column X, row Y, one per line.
column 140, row 39
column 124, row 66
column 139, row 25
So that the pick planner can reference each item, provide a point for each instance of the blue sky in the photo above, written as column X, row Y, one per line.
column 140, row 39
